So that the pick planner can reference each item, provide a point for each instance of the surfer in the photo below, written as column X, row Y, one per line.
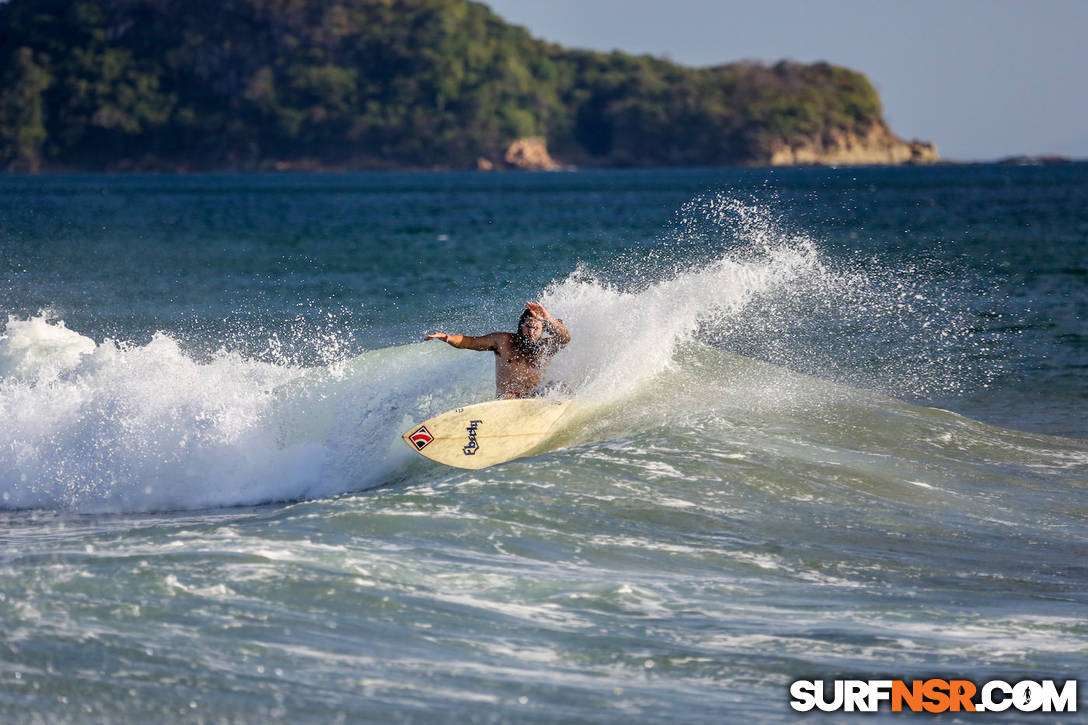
column 520, row 357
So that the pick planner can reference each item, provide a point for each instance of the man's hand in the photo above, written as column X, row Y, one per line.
column 437, row 336
column 552, row 324
column 538, row 311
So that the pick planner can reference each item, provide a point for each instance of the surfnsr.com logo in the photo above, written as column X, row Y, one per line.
column 933, row 695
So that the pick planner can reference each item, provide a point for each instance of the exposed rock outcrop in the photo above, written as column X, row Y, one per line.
column 530, row 154
column 840, row 148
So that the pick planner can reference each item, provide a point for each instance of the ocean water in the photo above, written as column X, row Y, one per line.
column 838, row 429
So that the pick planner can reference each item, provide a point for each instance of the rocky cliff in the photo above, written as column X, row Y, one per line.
column 530, row 154
column 835, row 147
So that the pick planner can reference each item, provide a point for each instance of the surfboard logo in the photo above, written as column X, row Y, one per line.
column 421, row 438
column 473, row 446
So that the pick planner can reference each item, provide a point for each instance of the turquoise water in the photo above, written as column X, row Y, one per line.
column 838, row 428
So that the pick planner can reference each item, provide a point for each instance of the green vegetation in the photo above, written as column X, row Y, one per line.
column 373, row 83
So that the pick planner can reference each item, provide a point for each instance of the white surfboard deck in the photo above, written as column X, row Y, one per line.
column 484, row 434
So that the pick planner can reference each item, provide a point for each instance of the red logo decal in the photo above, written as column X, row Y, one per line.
column 421, row 438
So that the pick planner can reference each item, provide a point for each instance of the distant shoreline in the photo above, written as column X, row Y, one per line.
column 306, row 167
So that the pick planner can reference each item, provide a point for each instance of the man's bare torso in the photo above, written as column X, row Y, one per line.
column 519, row 376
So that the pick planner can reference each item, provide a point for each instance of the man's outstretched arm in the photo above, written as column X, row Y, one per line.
column 468, row 342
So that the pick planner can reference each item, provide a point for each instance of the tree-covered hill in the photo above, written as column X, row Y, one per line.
column 375, row 83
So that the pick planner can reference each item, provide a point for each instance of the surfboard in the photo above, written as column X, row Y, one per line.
column 484, row 434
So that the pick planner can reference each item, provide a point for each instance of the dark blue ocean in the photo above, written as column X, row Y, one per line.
column 839, row 429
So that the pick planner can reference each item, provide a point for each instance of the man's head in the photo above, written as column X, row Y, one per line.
column 530, row 327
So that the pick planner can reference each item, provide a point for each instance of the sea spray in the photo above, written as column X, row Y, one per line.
column 734, row 274
column 624, row 338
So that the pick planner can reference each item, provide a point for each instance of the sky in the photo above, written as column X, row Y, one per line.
column 983, row 79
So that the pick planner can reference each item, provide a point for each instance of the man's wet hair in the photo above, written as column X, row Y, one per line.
column 526, row 314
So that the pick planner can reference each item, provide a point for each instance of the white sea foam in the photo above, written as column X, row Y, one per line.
column 128, row 427
column 40, row 347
